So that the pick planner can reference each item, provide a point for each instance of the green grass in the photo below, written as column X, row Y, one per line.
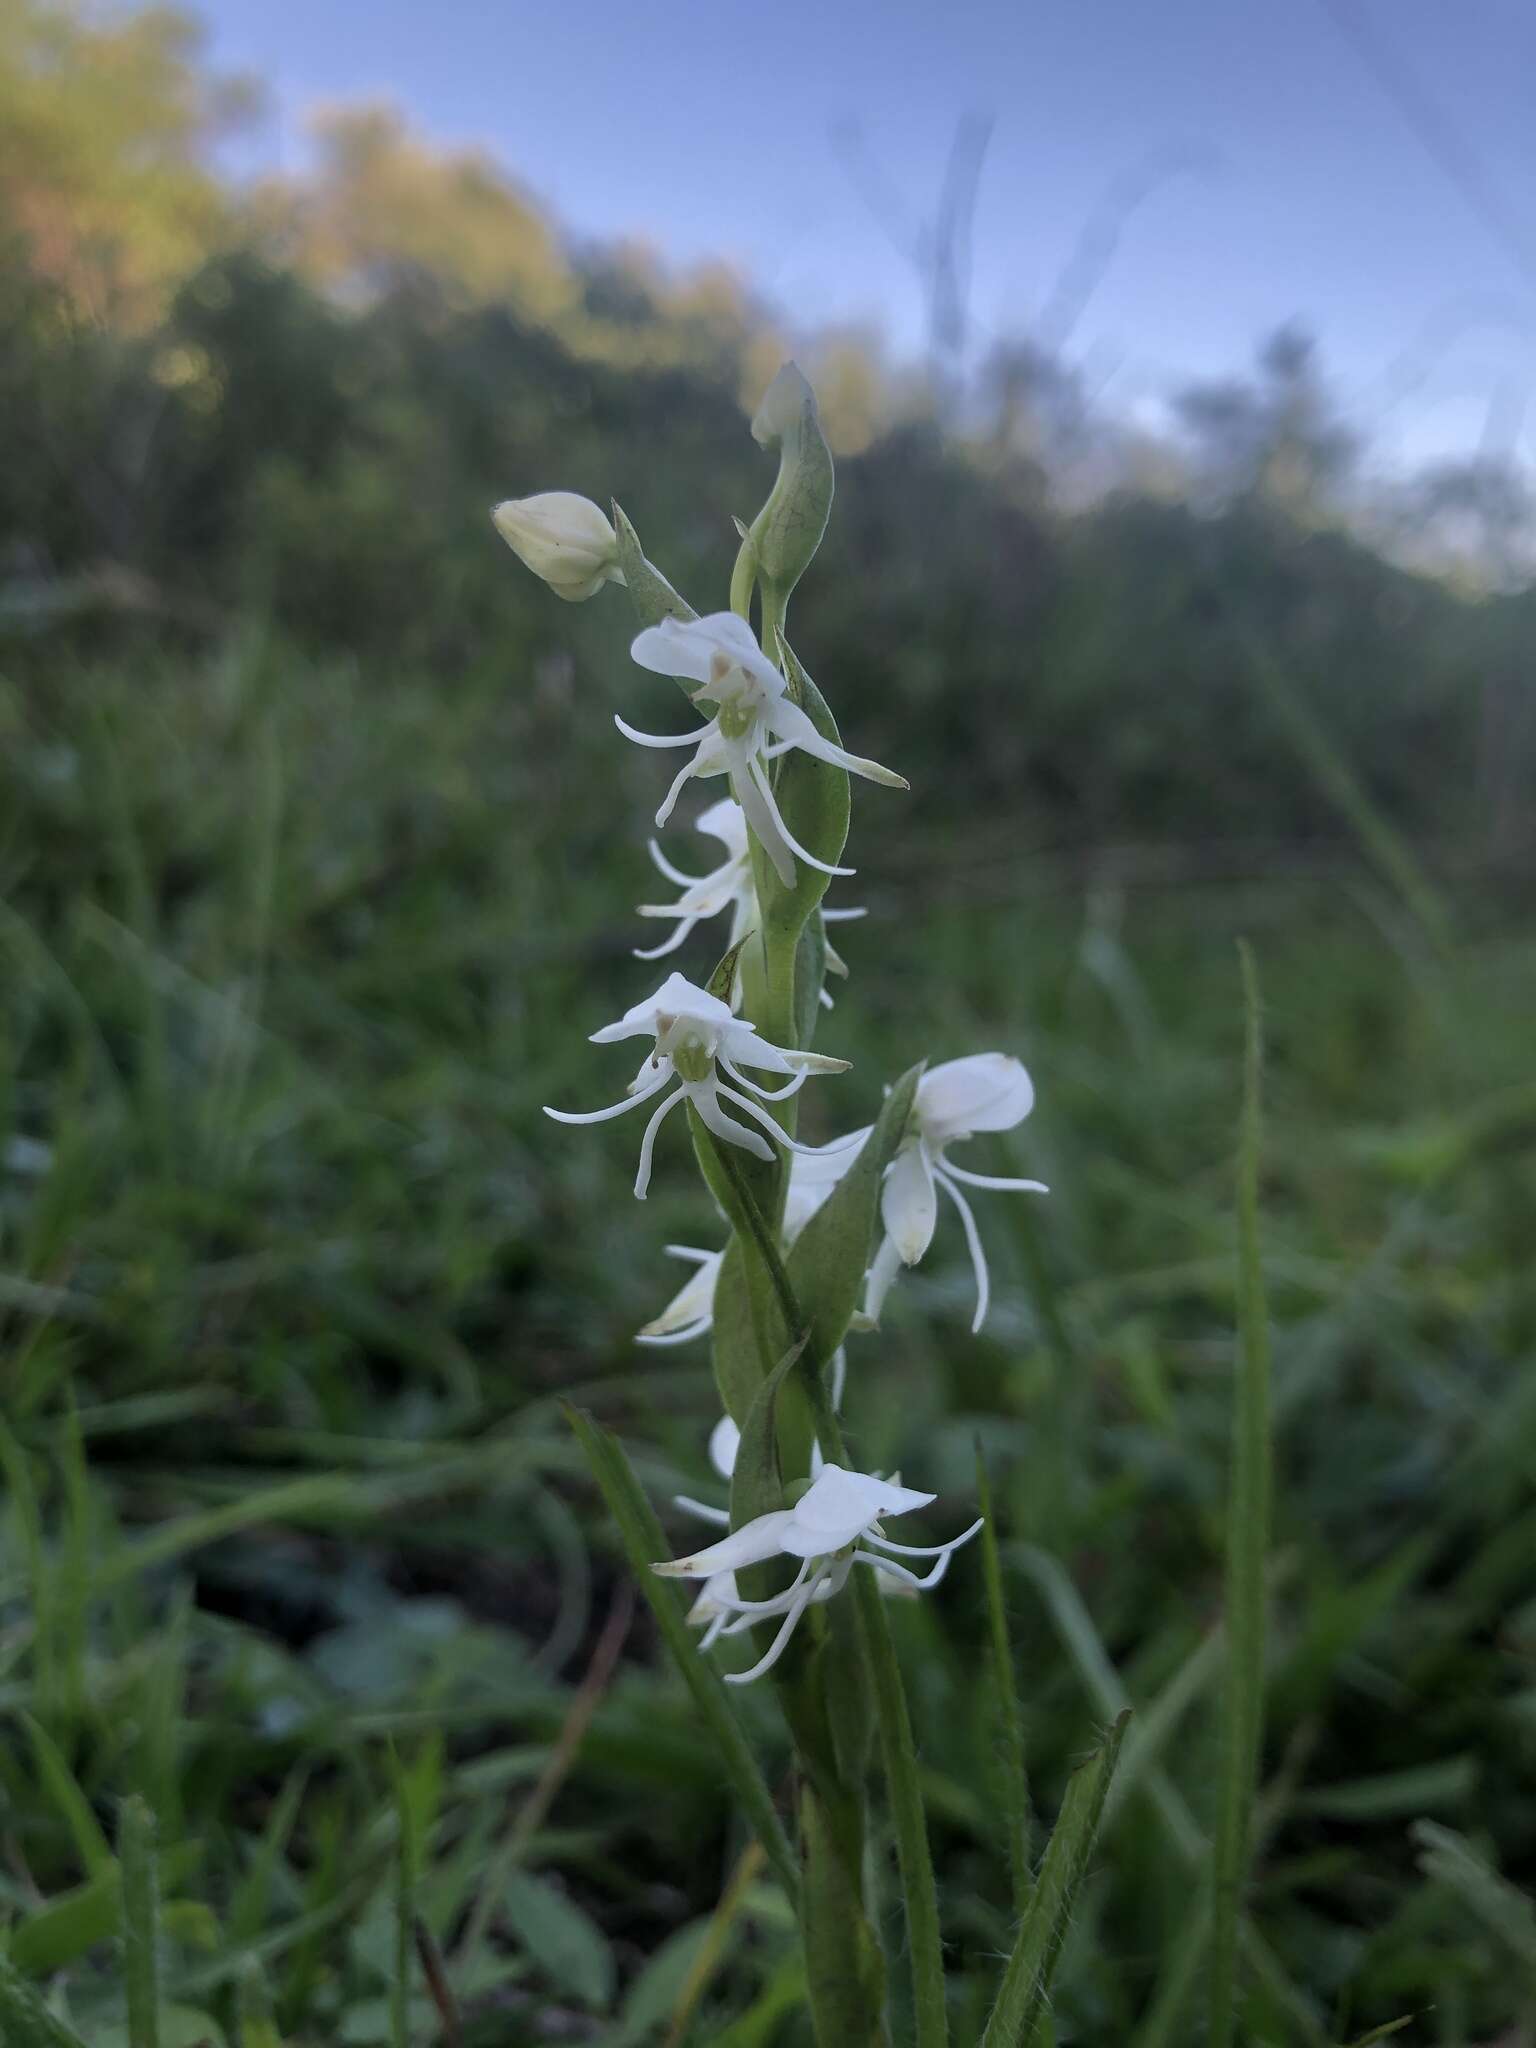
column 296, row 1546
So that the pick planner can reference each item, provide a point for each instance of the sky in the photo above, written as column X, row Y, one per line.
column 1365, row 166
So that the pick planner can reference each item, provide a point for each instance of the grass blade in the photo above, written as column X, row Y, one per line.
column 1015, row 1770
column 1380, row 840
column 899, row 1753
column 1026, row 1987
column 643, row 1542
column 1248, row 1512
column 141, row 1921
column 25, row 2022
column 1448, row 1859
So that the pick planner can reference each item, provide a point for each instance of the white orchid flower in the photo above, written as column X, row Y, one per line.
column 755, row 721
column 697, row 1039
column 562, row 537
column 835, row 1525
column 988, row 1091
column 727, row 887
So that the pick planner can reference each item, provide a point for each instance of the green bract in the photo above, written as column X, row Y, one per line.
column 652, row 595
column 787, row 532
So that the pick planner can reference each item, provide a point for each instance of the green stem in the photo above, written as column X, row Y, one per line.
column 141, row 1922
column 743, row 577
column 898, row 1749
column 1248, row 1518
column 901, row 1776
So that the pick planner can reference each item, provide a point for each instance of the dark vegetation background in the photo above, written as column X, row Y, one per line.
column 317, row 858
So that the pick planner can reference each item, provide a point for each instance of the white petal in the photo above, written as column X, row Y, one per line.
column 677, row 997
column 690, row 738
column 978, row 1254
column 824, row 1165
column 702, row 1509
column 724, row 821
column 717, row 1597
column 776, row 1650
column 1000, row 1182
column 763, row 819
column 705, row 1096
column 691, row 1307
column 840, row 1505
column 883, row 1270
column 988, row 1091
column 675, row 789
column 908, row 1203
column 674, row 648
column 757, row 776
column 672, row 874
column 740, row 1042
column 927, row 1549
column 753, row 1544
column 763, row 1094
column 794, row 725
column 724, row 1443
column 648, row 1141
column 691, row 648
column 684, row 926
column 775, row 1131
column 601, row 1116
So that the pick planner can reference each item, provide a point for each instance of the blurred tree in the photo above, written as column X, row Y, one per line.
column 384, row 210
column 105, row 119
column 1277, row 437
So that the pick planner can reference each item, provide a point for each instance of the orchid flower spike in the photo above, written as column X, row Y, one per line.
column 697, row 1039
column 562, row 537
column 835, row 1525
column 755, row 720
column 988, row 1091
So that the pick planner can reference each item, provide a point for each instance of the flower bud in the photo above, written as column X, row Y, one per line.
column 562, row 537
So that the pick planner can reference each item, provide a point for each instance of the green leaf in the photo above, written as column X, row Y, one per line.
column 810, row 980
column 723, row 979
column 25, row 2022
column 1248, row 1514
column 787, row 532
column 644, row 1544
column 1026, row 1988
column 660, row 1984
column 737, row 1359
column 560, row 1939
column 650, row 593
column 76, row 1920
column 1449, row 1859
column 63, row 1789
column 831, row 1254
column 141, row 1922
column 1010, row 1720
column 757, row 1484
